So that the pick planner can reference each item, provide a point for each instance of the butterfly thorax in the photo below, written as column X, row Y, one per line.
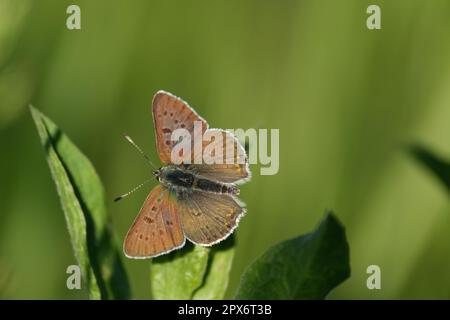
column 182, row 179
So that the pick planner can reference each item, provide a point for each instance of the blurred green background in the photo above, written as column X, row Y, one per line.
column 346, row 101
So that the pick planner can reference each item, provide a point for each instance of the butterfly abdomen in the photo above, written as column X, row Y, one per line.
column 215, row 187
column 182, row 180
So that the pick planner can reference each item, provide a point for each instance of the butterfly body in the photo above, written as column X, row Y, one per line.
column 182, row 180
column 195, row 201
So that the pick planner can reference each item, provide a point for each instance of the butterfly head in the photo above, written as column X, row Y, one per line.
column 157, row 174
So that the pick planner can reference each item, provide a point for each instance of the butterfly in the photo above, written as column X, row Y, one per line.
column 194, row 200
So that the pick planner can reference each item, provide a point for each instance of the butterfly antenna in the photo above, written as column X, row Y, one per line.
column 131, row 191
column 140, row 151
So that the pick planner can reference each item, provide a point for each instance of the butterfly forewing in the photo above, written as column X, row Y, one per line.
column 169, row 114
column 208, row 218
column 157, row 228
column 233, row 165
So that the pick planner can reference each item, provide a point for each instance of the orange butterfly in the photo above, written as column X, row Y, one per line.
column 194, row 200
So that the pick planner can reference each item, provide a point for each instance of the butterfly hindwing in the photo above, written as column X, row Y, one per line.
column 157, row 228
column 208, row 218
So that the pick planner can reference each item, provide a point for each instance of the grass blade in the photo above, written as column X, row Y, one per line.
column 83, row 201
column 439, row 167
column 177, row 275
column 216, row 278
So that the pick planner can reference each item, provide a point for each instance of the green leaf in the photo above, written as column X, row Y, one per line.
column 175, row 276
column 83, row 201
column 439, row 167
column 215, row 282
column 194, row 272
column 306, row 267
